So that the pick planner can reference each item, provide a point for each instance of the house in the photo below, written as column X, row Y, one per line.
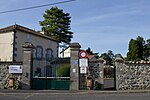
column 13, row 37
column 65, row 53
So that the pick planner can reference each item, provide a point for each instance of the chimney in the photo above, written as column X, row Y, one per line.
column 43, row 31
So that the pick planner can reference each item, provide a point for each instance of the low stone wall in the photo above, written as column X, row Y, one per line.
column 132, row 75
column 7, row 80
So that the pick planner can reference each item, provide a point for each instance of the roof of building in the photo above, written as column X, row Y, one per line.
column 65, row 49
column 24, row 29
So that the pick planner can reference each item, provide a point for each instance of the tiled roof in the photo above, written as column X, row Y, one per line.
column 24, row 29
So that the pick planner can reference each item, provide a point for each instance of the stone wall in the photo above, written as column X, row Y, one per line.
column 5, row 78
column 132, row 75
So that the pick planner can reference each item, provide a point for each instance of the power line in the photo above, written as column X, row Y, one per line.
column 21, row 9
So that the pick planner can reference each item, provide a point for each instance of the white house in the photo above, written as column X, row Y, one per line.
column 13, row 37
column 65, row 53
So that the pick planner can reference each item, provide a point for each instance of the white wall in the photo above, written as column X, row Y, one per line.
column 65, row 54
column 6, row 46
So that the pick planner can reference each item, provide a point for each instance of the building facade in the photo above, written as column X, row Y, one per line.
column 13, row 37
column 65, row 53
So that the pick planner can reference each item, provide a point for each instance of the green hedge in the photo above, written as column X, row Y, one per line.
column 63, row 70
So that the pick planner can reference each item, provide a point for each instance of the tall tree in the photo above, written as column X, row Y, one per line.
column 141, row 43
column 56, row 24
column 146, row 53
column 135, row 49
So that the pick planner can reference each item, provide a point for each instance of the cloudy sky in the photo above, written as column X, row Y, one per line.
column 101, row 25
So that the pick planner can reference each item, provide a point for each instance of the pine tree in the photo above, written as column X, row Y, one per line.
column 56, row 24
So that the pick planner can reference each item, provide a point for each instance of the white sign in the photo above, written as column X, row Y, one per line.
column 83, row 70
column 83, row 62
column 74, row 70
column 15, row 68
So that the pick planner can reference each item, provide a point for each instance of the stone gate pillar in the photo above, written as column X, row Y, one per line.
column 118, row 63
column 101, row 73
column 74, row 70
column 27, row 65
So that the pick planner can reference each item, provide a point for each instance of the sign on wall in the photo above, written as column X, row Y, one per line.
column 15, row 68
column 83, row 70
column 83, row 62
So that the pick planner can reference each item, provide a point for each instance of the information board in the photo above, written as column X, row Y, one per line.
column 15, row 68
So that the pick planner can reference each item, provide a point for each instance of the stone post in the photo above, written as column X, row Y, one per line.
column 118, row 64
column 74, row 70
column 27, row 65
column 101, row 73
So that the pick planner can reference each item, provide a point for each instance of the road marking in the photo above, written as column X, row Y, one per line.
column 28, row 96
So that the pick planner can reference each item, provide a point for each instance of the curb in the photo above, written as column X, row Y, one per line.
column 71, row 92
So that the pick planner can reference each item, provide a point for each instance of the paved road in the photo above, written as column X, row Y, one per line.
column 73, row 96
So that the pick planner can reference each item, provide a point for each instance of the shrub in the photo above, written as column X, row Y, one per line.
column 63, row 71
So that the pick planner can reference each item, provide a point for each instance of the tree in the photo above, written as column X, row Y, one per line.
column 146, row 53
column 141, row 44
column 110, row 54
column 148, row 41
column 56, row 24
column 135, row 52
column 106, row 57
column 88, row 50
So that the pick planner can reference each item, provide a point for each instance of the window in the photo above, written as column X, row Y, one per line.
column 39, row 52
column 49, row 54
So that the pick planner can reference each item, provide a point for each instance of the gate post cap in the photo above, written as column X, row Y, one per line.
column 119, row 59
column 101, row 60
column 28, row 45
column 75, row 45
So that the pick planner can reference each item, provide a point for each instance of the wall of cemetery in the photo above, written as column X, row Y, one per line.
column 132, row 75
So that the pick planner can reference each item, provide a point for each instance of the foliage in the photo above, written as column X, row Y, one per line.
column 106, row 57
column 138, row 49
column 110, row 54
column 88, row 50
column 109, row 57
column 63, row 71
column 146, row 53
column 56, row 24
column 141, row 43
column 108, row 72
column 135, row 49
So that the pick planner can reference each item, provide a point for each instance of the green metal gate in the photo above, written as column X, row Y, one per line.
column 45, row 74
column 51, row 83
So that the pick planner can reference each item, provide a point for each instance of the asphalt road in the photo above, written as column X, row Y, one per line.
column 73, row 96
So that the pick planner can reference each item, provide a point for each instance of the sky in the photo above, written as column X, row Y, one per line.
column 101, row 25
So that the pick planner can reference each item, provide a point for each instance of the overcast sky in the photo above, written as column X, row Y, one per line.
column 101, row 25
